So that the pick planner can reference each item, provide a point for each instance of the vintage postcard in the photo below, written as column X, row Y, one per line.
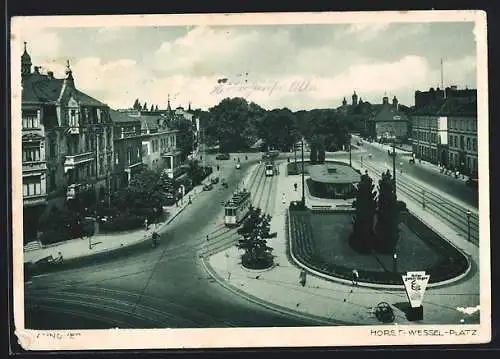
column 250, row 180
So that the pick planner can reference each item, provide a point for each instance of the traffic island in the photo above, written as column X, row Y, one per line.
column 319, row 241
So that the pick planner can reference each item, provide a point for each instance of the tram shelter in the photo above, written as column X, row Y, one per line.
column 332, row 185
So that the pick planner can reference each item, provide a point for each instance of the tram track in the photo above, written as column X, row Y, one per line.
column 129, row 299
column 445, row 209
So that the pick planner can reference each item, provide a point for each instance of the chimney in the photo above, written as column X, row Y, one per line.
column 37, row 69
column 50, row 74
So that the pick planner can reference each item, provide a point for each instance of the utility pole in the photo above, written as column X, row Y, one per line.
column 350, row 161
column 394, row 165
column 303, row 181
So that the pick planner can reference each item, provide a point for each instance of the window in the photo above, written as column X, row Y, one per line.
column 468, row 143
column 450, row 140
column 145, row 150
column 474, row 144
column 456, row 141
column 129, row 156
column 30, row 120
column 462, row 144
column 31, row 186
column 72, row 118
column 31, row 154
column 117, row 161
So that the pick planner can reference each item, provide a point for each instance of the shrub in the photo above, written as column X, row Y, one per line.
column 123, row 222
column 263, row 262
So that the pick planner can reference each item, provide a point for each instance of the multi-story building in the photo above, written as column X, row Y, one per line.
column 159, row 144
column 445, row 130
column 67, row 141
column 127, row 147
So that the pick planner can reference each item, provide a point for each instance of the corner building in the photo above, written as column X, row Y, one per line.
column 67, row 143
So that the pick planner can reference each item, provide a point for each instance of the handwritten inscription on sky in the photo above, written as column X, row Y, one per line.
column 226, row 87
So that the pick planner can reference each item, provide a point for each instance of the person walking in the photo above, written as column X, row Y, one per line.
column 295, row 186
column 283, row 198
column 355, row 277
column 146, row 226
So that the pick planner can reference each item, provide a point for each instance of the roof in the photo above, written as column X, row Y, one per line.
column 151, row 123
column 388, row 112
column 449, row 107
column 238, row 198
column 42, row 88
column 333, row 173
column 121, row 117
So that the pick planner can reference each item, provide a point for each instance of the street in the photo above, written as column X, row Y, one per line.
column 162, row 287
column 433, row 178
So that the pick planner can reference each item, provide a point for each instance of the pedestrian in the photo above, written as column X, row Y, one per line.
column 355, row 277
column 189, row 201
column 207, row 238
column 295, row 186
column 146, row 226
column 283, row 199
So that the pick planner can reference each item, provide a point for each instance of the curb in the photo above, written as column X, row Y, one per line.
column 268, row 305
column 374, row 285
column 103, row 253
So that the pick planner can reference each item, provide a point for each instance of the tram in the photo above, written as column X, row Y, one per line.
column 269, row 169
column 237, row 208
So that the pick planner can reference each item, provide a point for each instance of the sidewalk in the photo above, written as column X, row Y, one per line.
column 107, row 242
column 418, row 162
column 338, row 302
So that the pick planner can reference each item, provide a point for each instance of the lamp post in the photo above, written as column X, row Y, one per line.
column 350, row 162
column 468, row 213
column 303, row 182
column 394, row 165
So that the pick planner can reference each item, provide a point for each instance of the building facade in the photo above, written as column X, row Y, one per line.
column 67, row 141
column 159, row 144
column 127, row 137
column 389, row 123
column 445, row 130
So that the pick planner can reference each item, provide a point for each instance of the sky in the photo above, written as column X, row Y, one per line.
column 276, row 66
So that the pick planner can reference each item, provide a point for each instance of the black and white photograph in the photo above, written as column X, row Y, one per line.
column 250, row 180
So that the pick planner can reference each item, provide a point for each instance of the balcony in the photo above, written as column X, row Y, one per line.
column 34, row 166
column 71, row 162
column 34, row 200
column 74, row 130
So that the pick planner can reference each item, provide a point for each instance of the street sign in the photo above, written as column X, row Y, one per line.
column 415, row 285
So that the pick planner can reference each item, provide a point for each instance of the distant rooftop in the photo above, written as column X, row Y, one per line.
column 333, row 173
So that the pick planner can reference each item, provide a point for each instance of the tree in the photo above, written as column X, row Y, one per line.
column 152, row 108
column 167, row 184
column 137, row 104
column 195, row 172
column 362, row 236
column 156, row 107
column 255, row 232
column 145, row 106
column 387, row 216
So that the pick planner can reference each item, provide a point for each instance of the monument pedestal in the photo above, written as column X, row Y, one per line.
column 415, row 314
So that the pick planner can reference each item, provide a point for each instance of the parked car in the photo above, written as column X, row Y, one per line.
column 207, row 187
column 222, row 156
column 214, row 180
column 238, row 166
column 224, row 183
